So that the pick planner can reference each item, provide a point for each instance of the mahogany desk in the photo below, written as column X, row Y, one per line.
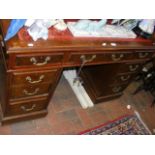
column 30, row 74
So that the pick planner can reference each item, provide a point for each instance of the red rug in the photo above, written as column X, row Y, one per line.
column 125, row 125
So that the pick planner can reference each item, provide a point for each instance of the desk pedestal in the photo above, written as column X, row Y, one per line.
column 105, row 82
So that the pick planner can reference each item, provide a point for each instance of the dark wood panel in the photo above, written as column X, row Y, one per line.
column 3, row 89
column 99, row 81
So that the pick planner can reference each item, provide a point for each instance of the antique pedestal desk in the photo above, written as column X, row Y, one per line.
column 30, row 71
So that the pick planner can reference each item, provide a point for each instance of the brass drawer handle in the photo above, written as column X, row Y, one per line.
column 33, row 93
column 28, row 78
column 115, row 58
column 133, row 68
column 123, row 78
column 143, row 55
column 34, row 61
column 85, row 60
column 116, row 89
column 28, row 109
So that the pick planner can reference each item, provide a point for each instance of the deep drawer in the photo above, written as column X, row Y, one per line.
column 27, row 106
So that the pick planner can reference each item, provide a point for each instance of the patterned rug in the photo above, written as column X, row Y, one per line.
column 125, row 125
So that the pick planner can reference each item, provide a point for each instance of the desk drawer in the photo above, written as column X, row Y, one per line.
column 119, row 56
column 29, row 91
column 110, row 90
column 31, row 78
column 130, row 55
column 108, row 93
column 123, row 78
column 90, row 58
column 38, row 60
column 100, row 58
column 143, row 54
column 27, row 106
column 130, row 67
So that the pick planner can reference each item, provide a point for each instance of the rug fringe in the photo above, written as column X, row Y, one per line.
column 139, row 117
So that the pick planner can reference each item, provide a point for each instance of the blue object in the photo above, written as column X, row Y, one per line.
column 15, row 26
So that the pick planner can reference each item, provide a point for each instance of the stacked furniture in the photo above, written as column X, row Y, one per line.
column 30, row 71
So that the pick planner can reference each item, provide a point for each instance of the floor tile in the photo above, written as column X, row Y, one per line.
column 5, row 130
column 21, row 127
column 67, row 115
column 84, row 117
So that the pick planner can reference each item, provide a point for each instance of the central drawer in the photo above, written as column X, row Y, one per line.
column 100, row 57
column 104, row 57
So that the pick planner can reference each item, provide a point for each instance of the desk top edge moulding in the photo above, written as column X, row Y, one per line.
column 64, row 39
column 30, row 67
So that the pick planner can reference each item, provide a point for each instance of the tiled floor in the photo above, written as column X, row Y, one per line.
column 67, row 117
